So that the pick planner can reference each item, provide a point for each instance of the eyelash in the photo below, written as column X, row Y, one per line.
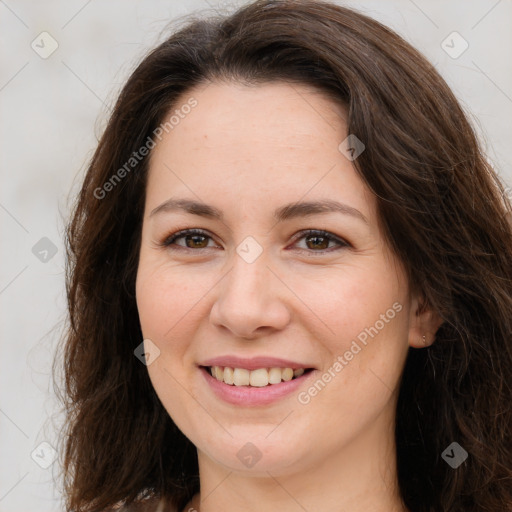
column 343, row 244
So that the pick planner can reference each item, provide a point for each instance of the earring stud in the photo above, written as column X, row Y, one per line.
column 424, row 340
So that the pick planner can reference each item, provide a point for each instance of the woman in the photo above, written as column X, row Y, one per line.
column 289, row 280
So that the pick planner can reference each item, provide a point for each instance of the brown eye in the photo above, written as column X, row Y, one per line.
column 318, row 241
column 194, row 239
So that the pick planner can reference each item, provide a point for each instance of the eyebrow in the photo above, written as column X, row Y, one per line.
column 283, row 213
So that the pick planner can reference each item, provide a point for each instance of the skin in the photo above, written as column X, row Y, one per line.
column 248, row 150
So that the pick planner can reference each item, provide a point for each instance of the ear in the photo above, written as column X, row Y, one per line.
column 424, row 322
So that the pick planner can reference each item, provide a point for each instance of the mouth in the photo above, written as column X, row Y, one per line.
column 257, row 387
column 257, row 378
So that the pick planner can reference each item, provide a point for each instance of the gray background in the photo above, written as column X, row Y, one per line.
column 52, row 110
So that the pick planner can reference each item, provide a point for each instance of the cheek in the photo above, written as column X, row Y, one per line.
column 363, row 331
column 344, row 301
column 167, row 299
column 167, row 315
column 172, row 306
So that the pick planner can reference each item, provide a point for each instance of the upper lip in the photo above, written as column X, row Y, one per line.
column 253, row 363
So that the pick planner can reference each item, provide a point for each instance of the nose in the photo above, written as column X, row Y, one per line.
column 251, row 300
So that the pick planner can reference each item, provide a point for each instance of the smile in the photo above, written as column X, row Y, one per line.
column 258, row 387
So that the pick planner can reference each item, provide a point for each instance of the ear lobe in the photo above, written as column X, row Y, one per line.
column 424, row 324
column 433, row 321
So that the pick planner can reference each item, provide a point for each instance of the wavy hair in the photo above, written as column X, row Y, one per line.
column 443, row 211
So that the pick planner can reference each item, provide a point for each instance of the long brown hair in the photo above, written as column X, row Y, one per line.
column 443, row 210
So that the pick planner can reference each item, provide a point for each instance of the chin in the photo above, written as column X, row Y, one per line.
column 253, row 451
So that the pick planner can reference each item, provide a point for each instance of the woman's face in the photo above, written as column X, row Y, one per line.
column 255, row 285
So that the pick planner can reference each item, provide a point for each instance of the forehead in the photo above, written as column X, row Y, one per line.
column 274, row 113
column 254, row 144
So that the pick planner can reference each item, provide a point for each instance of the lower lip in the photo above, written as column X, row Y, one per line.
column 253, row 396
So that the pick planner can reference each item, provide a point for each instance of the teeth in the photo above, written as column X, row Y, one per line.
column 287, row 374
column 274, row 375
column 241, row 377
column 257, row 378
column 228, row 376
